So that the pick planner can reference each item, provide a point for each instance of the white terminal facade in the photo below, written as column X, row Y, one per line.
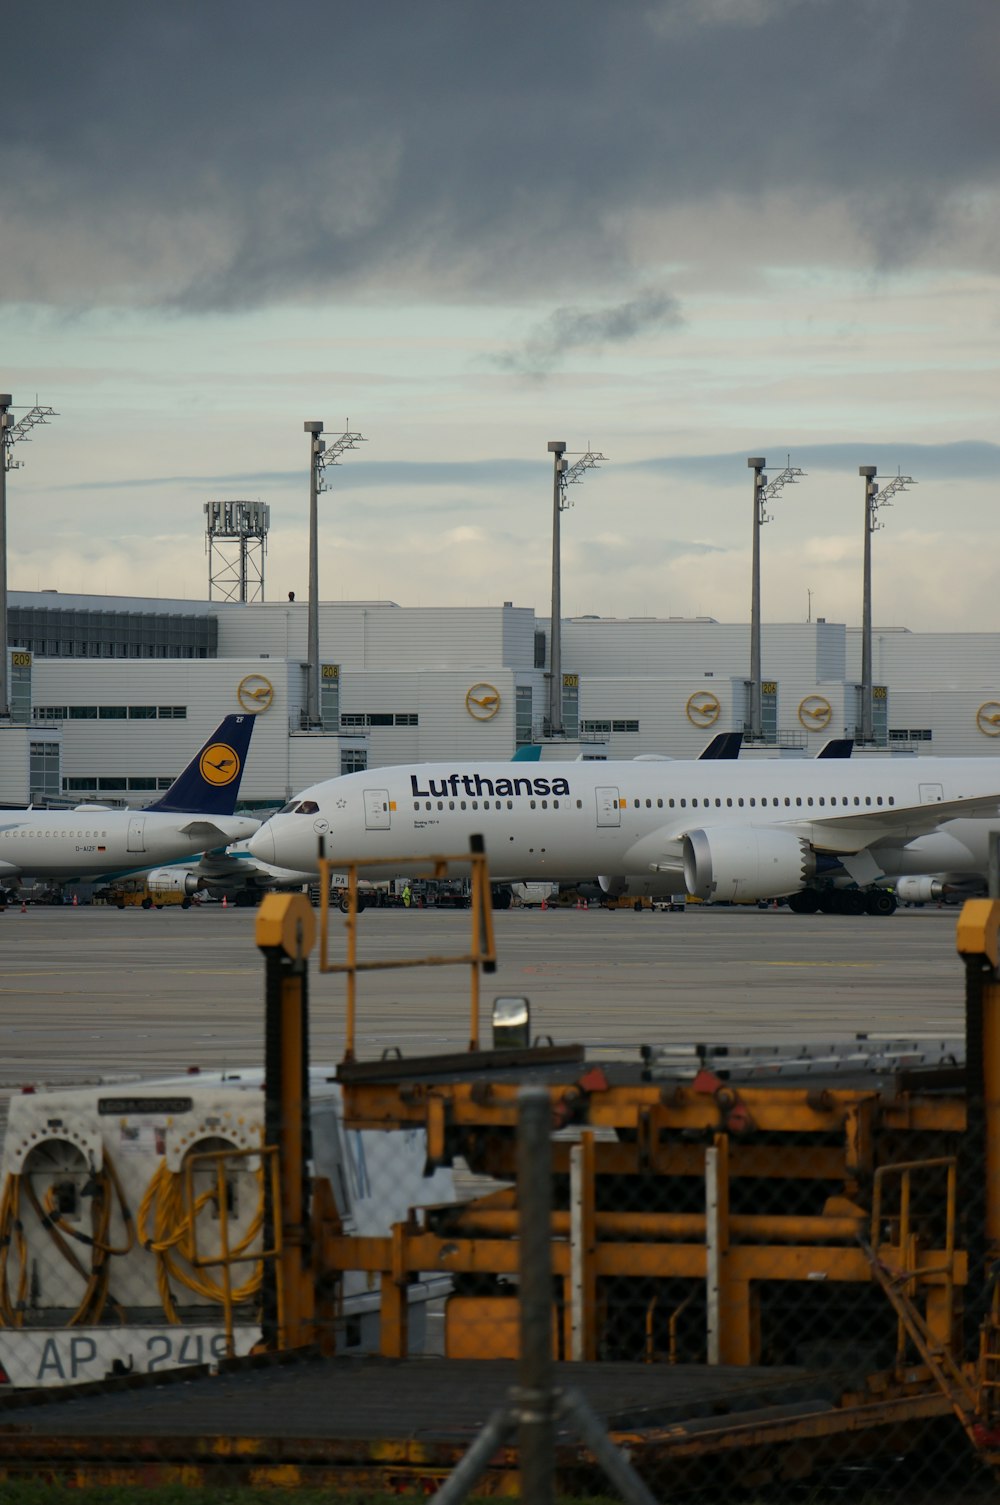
column 111, row 696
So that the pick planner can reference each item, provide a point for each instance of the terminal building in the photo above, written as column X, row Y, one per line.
column 110, row 696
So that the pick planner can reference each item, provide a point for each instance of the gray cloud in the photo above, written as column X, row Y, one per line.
column 568, row 329
column 968, row 460
column 234, row 155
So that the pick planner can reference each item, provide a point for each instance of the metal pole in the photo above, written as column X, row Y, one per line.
column 756, row 464
column 557, row 449
column 867, row 728
column 5, row 402
column 313, row 429
column 536, row 1419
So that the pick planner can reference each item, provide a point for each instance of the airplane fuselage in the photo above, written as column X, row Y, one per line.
column 82, row 844
column 566, row 821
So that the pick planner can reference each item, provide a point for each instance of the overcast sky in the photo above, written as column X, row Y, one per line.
column 678, row 232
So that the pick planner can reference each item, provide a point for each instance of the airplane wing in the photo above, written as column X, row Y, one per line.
column 213, row 835
column 857, row 829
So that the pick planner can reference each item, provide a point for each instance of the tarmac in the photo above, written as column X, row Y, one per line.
column 91, row 994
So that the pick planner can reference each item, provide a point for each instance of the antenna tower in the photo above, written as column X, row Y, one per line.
column 236, row 543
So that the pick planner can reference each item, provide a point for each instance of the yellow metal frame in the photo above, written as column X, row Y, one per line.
column 482, row 951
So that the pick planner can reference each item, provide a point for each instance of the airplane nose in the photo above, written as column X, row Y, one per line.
column 262, row 843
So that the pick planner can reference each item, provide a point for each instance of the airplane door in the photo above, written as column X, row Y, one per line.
column 609, row 811
column 377, row 810
column 931, row 794
column 136, row 839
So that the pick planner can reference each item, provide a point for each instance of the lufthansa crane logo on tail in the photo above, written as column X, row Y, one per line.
column 815, row 712
column 255, row 693
column 482, row 702
column 988, row 718
column 703, row 708
column 219, row 764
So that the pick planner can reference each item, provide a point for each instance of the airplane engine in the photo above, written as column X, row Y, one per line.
column 641, row 886
column 746, row 862
column 172, row 880
column 613, row 887
column 919, row 890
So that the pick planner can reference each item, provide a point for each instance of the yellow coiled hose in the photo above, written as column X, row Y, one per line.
column 166, row 1224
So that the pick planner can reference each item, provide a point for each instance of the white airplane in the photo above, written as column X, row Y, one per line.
column 194, row 814
column 231, row 870
column 719, row 830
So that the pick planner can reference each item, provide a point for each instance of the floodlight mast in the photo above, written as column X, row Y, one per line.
column 322, row 452
column 763, row 492
column 10, row 433
column 564, row 475
column 875, row 497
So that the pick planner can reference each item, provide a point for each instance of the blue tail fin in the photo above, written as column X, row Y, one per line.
column 838, row 747
column 211, row 781
column 726, row 745
column 531, row 752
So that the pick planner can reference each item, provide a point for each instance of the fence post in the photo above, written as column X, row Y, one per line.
column 536, row 1406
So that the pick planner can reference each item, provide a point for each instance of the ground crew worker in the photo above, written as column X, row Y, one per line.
column 407, row 896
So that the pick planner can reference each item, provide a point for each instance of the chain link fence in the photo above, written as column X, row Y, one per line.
column 683, row 1275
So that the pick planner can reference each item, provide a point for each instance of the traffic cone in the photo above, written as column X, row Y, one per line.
column 545, row 905
column 225, row 902
column 75, row 901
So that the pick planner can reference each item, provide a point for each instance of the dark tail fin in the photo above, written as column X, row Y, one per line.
column 725, row 745
column 837, row 747
column 211, row 781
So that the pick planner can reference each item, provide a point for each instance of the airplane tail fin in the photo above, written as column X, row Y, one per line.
column 837, row 747
column 211, row 781
column 531, row 752
column 725, row 745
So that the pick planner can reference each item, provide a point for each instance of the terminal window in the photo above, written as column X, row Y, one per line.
column 604, row 728
column 109, row 713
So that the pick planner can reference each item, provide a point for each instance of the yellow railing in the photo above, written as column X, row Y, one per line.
column 480, row 957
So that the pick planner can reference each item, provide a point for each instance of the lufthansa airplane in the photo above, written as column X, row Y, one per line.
column 231, row 870
column 719, row 829
column 194, row 814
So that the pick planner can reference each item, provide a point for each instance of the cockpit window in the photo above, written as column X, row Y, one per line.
column 289, row 808
column 307, row 807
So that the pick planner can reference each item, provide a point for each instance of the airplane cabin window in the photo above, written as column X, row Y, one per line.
column 555, row 804
column 892, row 799
column 740, row 800
column 809, row 799
column 659, row 804
column 683, row 803
column 451, row 804
column 878, row 799
column 868, row 799
column 857, row 800
column 545, row 804
column 462, row 805
column 753, row 801
column 440, row 805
